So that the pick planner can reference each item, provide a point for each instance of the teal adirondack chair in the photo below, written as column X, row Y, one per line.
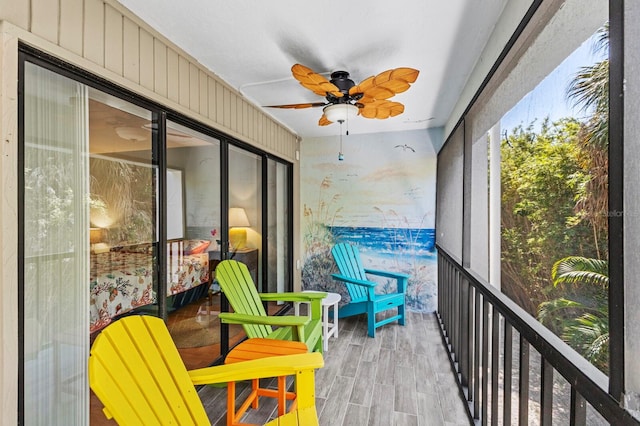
column 364, row 300
column 237, row 285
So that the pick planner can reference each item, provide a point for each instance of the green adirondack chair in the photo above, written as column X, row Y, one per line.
column 364, row 300
column 237, row 285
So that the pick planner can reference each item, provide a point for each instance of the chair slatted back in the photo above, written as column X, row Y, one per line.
column 238, row 286
column 137, row 373
column 347, row 258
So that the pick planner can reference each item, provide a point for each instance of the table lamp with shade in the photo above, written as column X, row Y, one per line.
column 238, row 223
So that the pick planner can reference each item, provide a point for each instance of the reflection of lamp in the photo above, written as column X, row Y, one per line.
column 238, row 221
column 95, row 235
column 95, row 238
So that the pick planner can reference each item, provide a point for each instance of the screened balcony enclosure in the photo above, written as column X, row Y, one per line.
column 516, row 220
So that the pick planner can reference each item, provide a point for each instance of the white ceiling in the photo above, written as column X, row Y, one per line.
column 253, row 44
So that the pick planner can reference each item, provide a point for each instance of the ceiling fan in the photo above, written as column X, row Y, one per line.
column 345, row 99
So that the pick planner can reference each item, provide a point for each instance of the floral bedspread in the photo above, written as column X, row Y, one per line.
column 122, row 281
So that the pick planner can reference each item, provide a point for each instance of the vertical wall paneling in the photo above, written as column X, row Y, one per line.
column 233, row 113
column 146, row 60
column 211, row 98
column 219, row 102
column 131, row 51
column 227, row 108
column 160, row 68
column 93, row 31
column 183, row 81
column 44, row 19
column 239, row 114
column 194, row 88
column 245, row 118
column 173, row 79
column 16, row 12
column 113, row 40
column 71, row 15
column 252, row 123
column 204, row 93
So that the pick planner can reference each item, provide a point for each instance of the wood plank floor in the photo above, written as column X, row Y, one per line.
column 402, row 377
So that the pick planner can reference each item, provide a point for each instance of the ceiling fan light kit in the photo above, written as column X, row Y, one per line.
column 340, row 112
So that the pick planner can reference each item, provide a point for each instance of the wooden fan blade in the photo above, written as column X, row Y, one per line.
column 314, row 81
column 298, row 106
column 381, row 109
column 323, row 121
column 386, row 84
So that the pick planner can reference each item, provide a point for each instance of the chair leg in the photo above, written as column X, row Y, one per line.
column 325, row 327
column 371, row 323
column 401, row 313
column 231, row 406
column 255, row 385
column 282, row 395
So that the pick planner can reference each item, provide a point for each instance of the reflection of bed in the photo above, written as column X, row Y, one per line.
column 123, row 280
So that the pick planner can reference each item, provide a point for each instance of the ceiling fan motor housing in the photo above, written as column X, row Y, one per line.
column 342, row 81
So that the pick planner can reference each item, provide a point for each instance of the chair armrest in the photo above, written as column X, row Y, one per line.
column 284, row 365
column 387, row 274
column 292, row 297
column 353, row 280
column 280, row 321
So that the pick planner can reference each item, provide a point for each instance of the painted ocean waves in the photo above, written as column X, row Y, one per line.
column 391, row 241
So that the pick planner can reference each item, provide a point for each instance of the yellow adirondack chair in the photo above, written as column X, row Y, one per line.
column 238, row 286
column 137, row 373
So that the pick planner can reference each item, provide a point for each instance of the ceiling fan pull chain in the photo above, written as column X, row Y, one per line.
column 340, row 155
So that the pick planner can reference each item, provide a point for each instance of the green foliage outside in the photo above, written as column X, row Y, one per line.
column 555, row 217
column 541, row 179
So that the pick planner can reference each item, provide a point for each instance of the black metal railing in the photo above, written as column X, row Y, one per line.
column 481, row 328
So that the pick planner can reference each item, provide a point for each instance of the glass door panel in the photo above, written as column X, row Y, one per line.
column 278, row 214
column 123, row 215
column 245, row 210
column 56, row 243
column 193, row 243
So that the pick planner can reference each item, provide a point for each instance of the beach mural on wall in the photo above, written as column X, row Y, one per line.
column 381, row 197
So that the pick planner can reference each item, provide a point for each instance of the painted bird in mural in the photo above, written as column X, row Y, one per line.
column 405, row 147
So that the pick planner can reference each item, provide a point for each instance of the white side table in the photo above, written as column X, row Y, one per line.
column 328, row 328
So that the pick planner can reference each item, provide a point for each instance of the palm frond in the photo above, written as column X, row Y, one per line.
column 580, row 270
column 601, row 43
column 589, row 87
column 548, row 311
column 589, row 335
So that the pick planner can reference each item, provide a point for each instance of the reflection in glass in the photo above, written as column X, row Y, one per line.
column 123, row 214
column 193, row 238
column 278, row 227
column 245, row 184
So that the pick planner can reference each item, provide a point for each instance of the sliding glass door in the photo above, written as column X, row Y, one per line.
column 123, row 214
